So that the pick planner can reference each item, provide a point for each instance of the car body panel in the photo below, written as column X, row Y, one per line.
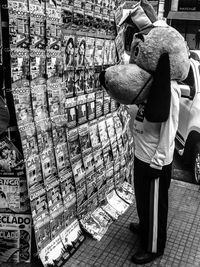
column 189, row 116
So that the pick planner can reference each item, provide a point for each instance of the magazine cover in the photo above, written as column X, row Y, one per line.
column 110, row 210
column 79, row 82
column 91, row 184
column 37, row 59
column 125, row 194
column 68, row 88
column 72, row 237
column 81, row 109
column 80, row 49
column 90, row 105
column 22, row 101
column 93, row 227
column 38, row 201
column 97, row 85
column 39, row 101
column 37, row 9
column 110, row 185
column 98, row 57
column 128, row 187
column 57, row 222
column 78, row 15
column 89, row 54
column 54, row 60
column 15, row 238
column 67, row 13
column 13, row 195
column 53, row 19
column 116, row 202
column 58, row 124
column 97, row 17
column 11, row 160
column 106, row 102
column 42, row 232
column 103, row 132
column 62, row 156
column 92, row 203
column 88, row 162
column 110, row 127
column 89, row 16
column 106, row 52
column 102, row 217
column 74, row 144
column 53, row 252
column 99, row 104
column 108, row 157
column 33, row 171
column 94, row 134
column 117, row 179
column 114, row 105
column 78, row 169
column 89, row 80
column 117, row 125
column 68, row 192
column 66, row 173
column 115, row 150
column 100, row 176
column 98, row 158
column 54, row 95
column 48, row 164
column 70, row 214
column 70, row 110
column 44, row 134
column 19, row 64
column 84, row 139
column 68, row 48
column 54, row 196
column 81, row 191
column 63, row 246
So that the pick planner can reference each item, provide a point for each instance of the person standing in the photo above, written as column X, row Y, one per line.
column 154, row 148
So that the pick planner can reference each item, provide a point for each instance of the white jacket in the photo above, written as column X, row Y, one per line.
column 155, row 142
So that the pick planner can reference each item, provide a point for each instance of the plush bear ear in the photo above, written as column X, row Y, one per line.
column 158, row 102
column 149, row 10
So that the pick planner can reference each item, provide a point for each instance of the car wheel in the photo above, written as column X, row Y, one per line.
column 196, row 163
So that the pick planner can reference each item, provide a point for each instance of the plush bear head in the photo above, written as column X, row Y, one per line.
column 158, row 55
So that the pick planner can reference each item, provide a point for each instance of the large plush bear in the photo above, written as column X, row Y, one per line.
column 159, row 58
column 151, row 46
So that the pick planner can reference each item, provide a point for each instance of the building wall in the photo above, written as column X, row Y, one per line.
column 188, row 28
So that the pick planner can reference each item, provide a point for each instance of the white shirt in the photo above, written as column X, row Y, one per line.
column 155, row 142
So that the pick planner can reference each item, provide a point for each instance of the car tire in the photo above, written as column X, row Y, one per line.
column 196, row 163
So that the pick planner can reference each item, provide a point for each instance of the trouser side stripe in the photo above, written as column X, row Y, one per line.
column 155, row 216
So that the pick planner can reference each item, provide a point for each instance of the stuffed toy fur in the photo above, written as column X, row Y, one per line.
column 158, row 55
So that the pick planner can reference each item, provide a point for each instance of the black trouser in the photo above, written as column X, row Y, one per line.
column 152, row 205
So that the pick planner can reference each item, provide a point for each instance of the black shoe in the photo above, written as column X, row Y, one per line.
column 142, row 257
column 135, row 228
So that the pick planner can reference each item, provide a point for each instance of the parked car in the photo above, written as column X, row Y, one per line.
column 188, row 134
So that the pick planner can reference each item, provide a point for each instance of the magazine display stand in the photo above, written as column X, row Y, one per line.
column 72, row 143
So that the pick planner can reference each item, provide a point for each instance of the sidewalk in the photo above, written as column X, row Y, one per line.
column 118, row 245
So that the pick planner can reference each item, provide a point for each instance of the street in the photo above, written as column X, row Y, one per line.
column 180, row 171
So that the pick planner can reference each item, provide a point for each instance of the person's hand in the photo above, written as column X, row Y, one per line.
column 154, row 173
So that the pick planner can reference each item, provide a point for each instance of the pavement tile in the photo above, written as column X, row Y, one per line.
column 119, row 244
